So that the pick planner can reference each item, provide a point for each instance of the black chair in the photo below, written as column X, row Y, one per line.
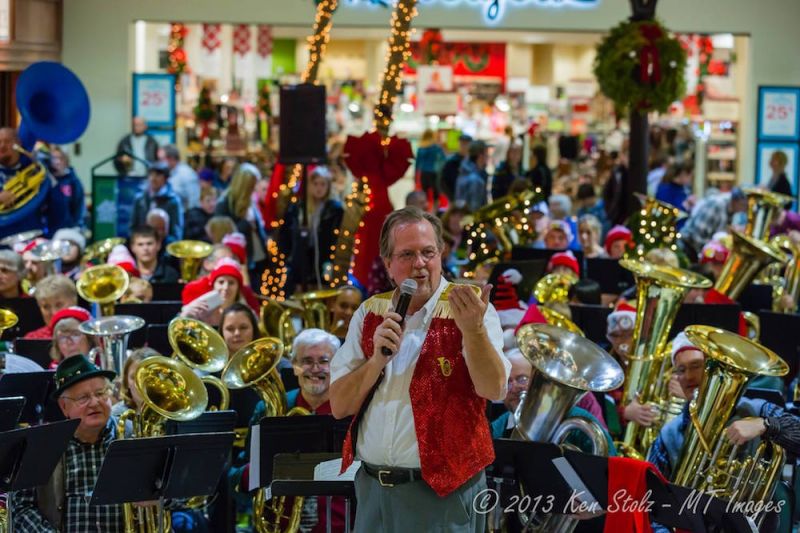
column 37, row 350
column 26, row 309
column 160, row 312
column 158, row 340
column 167, row 292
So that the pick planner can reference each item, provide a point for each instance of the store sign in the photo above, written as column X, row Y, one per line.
column 494, row 10
column 779, row 113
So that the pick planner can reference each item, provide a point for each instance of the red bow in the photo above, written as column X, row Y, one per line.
column 649, row 62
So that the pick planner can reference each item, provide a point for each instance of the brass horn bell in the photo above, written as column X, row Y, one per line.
column 191, row 255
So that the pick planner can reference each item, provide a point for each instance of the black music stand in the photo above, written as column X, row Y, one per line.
column 777, row 335
column 208, row 422
column 10, row 411
column 725, row 316
column 28, row 456
column 35, row 387
column 178, row 466
column 613, row 279
column 37, row 350
column 593, row 320
column 294, row 476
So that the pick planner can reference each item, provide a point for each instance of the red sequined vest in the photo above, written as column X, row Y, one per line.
column 449, row 417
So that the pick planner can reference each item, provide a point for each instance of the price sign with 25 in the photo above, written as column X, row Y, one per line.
column 154, row 98
column 779, row 117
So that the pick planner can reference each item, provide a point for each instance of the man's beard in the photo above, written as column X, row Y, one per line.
column 315, row 388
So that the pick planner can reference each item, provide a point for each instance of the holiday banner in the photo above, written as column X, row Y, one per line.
column 468, row 60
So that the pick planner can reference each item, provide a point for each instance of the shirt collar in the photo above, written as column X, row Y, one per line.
column 427, row 309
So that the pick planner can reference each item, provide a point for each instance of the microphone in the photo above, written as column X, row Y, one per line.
column 407, row 289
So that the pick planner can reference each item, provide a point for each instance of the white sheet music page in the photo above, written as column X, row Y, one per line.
column 255, row 457
column 329, row 471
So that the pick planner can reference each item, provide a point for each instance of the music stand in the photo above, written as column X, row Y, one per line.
column 10, row 411
column 592, row 319
column 178, row 466
column 28, row 456
column 613, row 279
column 37, row 350
column 208, row 422
column 34, row 387
column 725, row 316
column 776, row 335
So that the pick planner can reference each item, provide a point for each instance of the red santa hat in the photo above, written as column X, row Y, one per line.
column 121, row 257
column 532, row 316
column 78, row 313
column 509, row 308
column 21, row 248
column 714, row 252
column 618, row 233
column 195, row 289
column 237, row 244
column 226, row 267
column 565, row 259
column 623, row 318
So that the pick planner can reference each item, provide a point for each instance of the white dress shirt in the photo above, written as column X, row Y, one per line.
column 386, row 433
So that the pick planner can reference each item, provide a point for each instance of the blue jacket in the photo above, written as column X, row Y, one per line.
column 429, row 158
column 67, row 199
column 471, row 185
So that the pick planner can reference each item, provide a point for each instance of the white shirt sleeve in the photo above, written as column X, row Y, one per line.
column 491, row 321
column 350, row 356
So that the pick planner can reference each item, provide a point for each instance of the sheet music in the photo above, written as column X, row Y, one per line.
column 329, row 471
column 255, row 457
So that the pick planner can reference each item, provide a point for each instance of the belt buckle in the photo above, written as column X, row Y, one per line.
column 380, row 478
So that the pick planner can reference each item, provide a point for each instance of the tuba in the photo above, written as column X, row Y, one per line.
column 708, row 460
column 111, row 333
column 554, row 288
column 49, row 253
column 54, row 107
column 191, row 255
column 99, row 250
column 660, row 291
column 565, row 366
column 763, row 208
column 748, row 257
column 104, row 285
column 170, row 390
column 316, row 313
column 276, row 321
column 200, row 347
column 255, row 365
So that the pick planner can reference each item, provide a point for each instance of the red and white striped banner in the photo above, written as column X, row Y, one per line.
column 211, row 37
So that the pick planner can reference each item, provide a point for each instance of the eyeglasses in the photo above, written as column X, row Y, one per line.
column 409, row 256
column 7, row 270
column 72, row 337
column 522, row 381
column 100, row 395
column 616, row 323
column 681, row 370
column 309, row 362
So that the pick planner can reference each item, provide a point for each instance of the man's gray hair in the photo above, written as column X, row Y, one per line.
column 407, row 215
column 160, row 213
column 171, row 151
column 562, row 201
column 312, row 337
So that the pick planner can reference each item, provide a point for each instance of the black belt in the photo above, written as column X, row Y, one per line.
column 389, row 477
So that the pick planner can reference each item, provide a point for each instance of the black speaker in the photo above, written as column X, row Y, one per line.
column 302, row 124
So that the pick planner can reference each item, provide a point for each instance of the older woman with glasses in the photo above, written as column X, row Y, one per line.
column 11, row 269
column 68, row 341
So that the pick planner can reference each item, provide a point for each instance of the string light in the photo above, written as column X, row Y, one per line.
column 274, row 277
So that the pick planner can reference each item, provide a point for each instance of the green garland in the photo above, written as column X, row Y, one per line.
column 618, row 67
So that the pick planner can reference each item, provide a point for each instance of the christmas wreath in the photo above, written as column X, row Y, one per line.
column 640, row 66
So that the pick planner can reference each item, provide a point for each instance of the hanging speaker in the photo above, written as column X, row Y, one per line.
column 302, row 124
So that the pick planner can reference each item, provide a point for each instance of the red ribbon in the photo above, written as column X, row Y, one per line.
column 649, row 60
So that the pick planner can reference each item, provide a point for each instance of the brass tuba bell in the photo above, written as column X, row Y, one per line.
column 708, row 460
column 201, row 347
column 104, row 285
column 99, row 251
column 554, row 288
column 111, row 334
column 748, row 257
column 316, row 313
column 191, row 255
column 763, row 208
column 660, row 291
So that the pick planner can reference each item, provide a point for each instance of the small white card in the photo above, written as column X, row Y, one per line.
column 329, row 471
column 255, row 457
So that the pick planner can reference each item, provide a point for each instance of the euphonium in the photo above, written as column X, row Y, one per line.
column 708, row 460
column 99, row 251
column 276, row 321
column 554, row 288
column 565, row 366
column 763, row 208
column 201, row 347
column 191, row 255
column 315, row 309
column 169, row 390
column 660, row 291
column 255, row 365
column 104, row 285
column 49, row 253
column 747, row 258
column 111, row 334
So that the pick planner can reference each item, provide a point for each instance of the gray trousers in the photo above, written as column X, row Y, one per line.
column 415, row 507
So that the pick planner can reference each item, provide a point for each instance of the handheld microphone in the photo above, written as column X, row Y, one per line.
column 407, row 289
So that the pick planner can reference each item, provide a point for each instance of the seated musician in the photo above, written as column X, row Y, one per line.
column 557, row 236
column 52, row 294
column 228, row 281
column 145, row 246
column 342, row 308
column 239, row 326
column 68, row 341
column 518, row 382
column 689, row 368
column 312, row 351
column 71, row 260
column 618, row 240
column 11, row 273
column 83, row 391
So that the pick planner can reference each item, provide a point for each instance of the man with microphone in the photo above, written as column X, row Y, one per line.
column 417, row 385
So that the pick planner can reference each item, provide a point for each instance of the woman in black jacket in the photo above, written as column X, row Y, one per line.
column 237, row 203
column 779, row 182
column 307, row 235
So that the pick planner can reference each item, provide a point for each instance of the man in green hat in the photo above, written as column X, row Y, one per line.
column 83, row 391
